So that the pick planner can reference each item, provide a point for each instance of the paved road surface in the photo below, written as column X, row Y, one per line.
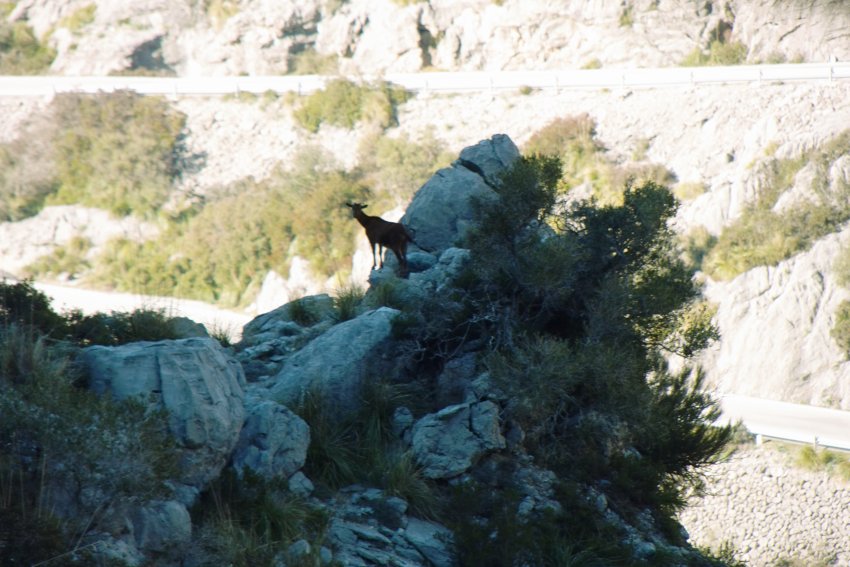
column 793, row 422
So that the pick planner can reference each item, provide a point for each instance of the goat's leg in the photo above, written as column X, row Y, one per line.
column 381, row 254
column 374, row 262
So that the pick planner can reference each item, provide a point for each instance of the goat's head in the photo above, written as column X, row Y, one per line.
column 356, row 207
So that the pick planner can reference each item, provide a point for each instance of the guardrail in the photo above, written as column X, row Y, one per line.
column 437, row 82
column 789, row 422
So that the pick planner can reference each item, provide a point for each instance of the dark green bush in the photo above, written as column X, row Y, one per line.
column 576, row 307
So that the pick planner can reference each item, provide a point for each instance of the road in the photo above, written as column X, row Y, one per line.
column 460, row 81
column 792, row 422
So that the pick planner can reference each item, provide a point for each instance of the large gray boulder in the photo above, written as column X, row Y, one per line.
column 335, row 364
column 194, row 380
column 273, row 442
column 441, row 212
column 447, row 443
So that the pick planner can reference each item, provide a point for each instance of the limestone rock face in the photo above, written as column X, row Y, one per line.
column 335, row 364
column 449, row 442
column 273, row 442
column 441, row 211
column 194, row 380
column 26, row 241
column 775, row 325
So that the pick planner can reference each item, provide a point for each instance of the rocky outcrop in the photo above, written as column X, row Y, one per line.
column 775, row 324
column 379, row 36
column 447, row 443
column 273, row 442
column 335, row 364
column 160, row 526
column 440, row 213
column 194, row 380
column 372, row 528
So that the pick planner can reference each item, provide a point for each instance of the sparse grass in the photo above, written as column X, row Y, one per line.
column 814, row 459
column 347, row 302
column 627, row 17
column 301, row 313
column 246, row 521
column 385, row 294
column 762, row 236
column 219, row 11
column 79, row 19
column 594, row 63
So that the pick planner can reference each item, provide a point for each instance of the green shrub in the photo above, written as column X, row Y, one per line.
column 719, row 53
column 344, row 103
column 78, row 19
column 27, row 174
column 117, row 151
column 20, row 51
column 311, row 62
column 121, row 327
column 762, row 236
column 222, row 252
column 22, row 304
column 397, row 167
column 765, row 238
column 841, row 329
column 70, row 259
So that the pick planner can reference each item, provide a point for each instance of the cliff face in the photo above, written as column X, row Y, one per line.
column 376, row 36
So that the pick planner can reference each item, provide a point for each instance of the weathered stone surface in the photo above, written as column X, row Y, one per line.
column 194, row 380
column 772, row 511
column 431, row 540
column 371, row 528
column 776, row 324
column 273, row 442
column 441, row 211
column 335, row 364
column 28, row 240
column 449, row 442
column 160, row 526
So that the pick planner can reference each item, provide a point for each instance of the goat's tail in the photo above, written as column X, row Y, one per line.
column 410, row 238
